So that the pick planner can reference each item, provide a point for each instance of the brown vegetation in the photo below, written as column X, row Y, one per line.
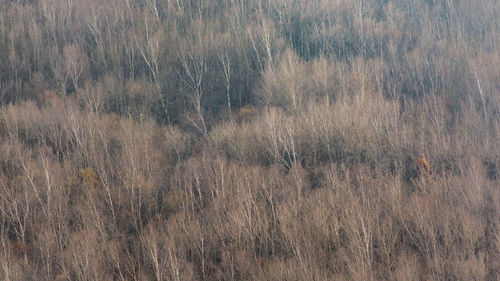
column 249, row 140
column 423, row 166
column 246, row 113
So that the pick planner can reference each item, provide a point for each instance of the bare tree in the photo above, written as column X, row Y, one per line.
column 75, row 62
column 149, row 48
column 225, row 65
column 194, row 69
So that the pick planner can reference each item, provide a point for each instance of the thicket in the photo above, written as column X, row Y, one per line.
column 249, row 140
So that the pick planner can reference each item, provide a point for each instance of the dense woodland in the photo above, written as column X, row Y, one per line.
column 249, row 140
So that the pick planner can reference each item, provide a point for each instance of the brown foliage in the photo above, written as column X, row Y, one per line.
column 19, row 249
column 89, row 178
column 246, row 113
column 423, row 166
